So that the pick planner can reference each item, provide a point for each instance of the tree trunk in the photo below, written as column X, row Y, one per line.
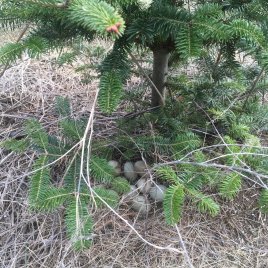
column 160, row 70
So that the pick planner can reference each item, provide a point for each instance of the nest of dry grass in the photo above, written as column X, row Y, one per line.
column 236, row 238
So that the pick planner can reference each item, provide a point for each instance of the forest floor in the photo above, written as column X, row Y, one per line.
column 238, row 237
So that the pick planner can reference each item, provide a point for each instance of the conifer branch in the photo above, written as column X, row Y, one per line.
column 64, row 4
column 253, row 87
column 214, row 165
column 22, row 33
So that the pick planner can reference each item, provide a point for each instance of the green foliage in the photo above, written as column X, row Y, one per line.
column 72, row 129
column 144, row 24
column 120, row 185
column 230, row 186
column 79, row 223
column 194, row 180
column 188, row 42
column 115, row 70
column 173, row 202
column 131, row 146
column 95, row 15
column 15, row 145
column 168, row 174
column 10, row 53
column 47, row 194
column 240, row 149
column 263, row 201
column 52, row 198
column 205, row 203
column 67, row 58
column 184, row 185
column 33, row 46
column 239, row 131
column 110, row 91
column 101, row 171
column 232, row 148
column 103, row 195
column 40, row 181
column 37, row 134
column 247, row 30
column 63, row 107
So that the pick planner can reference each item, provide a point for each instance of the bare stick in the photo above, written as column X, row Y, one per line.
column 186, row 255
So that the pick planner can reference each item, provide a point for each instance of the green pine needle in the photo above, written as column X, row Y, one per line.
column 62, row 106
column 36, row 134
column 110, row 91
column 95, row 15
column 204, row 203
column 40, row 181
column 79, row 224
column 263, row 200
column 120, row 185
column 72, row 129
column 108, row 196
column 14, row 145
column 188, row 42
column 173, row 202
column 101, row 170
column 168, row 174
column 9, row 53
column 230, row 186
column 52, row 198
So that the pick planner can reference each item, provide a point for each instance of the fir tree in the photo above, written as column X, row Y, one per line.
column 167, row 28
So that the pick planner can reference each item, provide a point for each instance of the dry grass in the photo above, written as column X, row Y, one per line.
column 236, row 238
column 7, row 36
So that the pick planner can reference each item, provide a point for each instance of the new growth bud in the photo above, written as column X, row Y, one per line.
column 114, row 28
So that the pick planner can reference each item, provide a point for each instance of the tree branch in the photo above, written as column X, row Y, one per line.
column 23, row 32
column 203, row 164
column 65, row 4
column 252, row 89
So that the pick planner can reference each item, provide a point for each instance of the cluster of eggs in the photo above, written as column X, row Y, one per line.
column 142, row 185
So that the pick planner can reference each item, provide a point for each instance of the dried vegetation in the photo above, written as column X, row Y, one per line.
column 236, row 238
